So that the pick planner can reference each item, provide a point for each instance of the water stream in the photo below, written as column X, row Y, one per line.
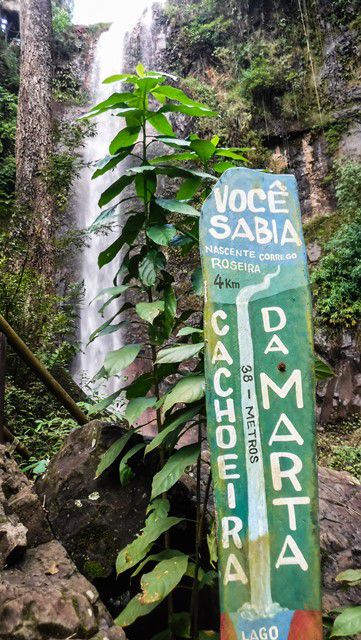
column 108, row 60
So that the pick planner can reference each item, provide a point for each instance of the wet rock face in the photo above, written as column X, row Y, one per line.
column 94, row 518
column 339, row 397
column 340, row 525
column 42, row 594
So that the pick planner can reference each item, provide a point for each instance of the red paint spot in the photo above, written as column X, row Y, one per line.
column 227, row 628
column 306, row 625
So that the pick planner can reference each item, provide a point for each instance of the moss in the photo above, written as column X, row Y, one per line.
column 333, row 135
column 93, row 569
column 339, row 446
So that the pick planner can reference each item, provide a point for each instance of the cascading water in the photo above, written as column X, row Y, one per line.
column 108, row 60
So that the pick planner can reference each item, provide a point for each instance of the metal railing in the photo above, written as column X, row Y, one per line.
column 9, row 336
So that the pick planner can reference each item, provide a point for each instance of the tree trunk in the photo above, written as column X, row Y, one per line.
column 34, row 143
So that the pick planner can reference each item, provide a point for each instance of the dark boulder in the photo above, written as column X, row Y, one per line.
column 42, row 594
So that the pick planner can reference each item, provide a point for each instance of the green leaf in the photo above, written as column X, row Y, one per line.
column 112, row 453
column 229, row 153
column 155, row 557
column 187, row 331
column 140, row 386
column 204, row 149
column 104, row 403
column 161, row 124
column 188, row 188
column 156, row 524
column 110, row 162
column 323, row 370
column 105, row 328
column 179, row 353
column 149, row 267
column 220, row 167
column 114, row 99
column 140, row 70
column 114, row 292
column 176, row 206
column 148, row 311
column 118, row 360
column 197, row 281
column 212, row 544
column 348, row 623
column 161, row 233
column 181, row 624
column 350, row 575
column 115, row 189
column 125, row 138
column 189, row 110
column 177, row 143
column 136, row 408
column 121, row 76
column 187, row 390
column 111, row 212
column 174, row 157
column 163, row 635
column 160, row 582
column 174, row 469
column 178, row 423
column 125, row 472
column 134, row 610
column 130, row 231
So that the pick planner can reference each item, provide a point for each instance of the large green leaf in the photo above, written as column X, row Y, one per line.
column 188, row 188
column 118, row 360
column 157, row 523
column 114, row 292
column 189, row 110
column 348, row 623
column 110, row 162
column 104, row 403
column 156, row 557
column 125, row 472
column 230, row 153
column 187, row 331
column 112, row 453
column 136, row 407
column 125, row 138
column 161, row 233
column 119, row 77
column 177, row 143
column 187, row 390
column 160, row 582
column 114, row 99
column 175, row 425
column 161, row 124
column 204, row 149
column 174, row 469
column 148, row 311
column 179, row 353
column 176, row 206
column 115, row 189
column 134, row 610
column 140, row 386
column 130, row 231
column 173, row 93
column 323, row 370
column 197, row 281
column 150, row 266
column 105, row 328
column 105, row 215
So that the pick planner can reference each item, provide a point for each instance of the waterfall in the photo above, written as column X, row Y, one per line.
column 109, row 59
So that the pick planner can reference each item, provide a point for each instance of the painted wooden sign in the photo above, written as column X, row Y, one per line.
column 260, row 407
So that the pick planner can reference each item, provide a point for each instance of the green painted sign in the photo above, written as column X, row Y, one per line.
column 260, row 389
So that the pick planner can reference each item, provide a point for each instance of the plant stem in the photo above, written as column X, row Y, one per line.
column 195, row 588
column 154, row 356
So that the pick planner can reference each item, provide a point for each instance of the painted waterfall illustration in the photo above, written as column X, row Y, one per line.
column 261, row 604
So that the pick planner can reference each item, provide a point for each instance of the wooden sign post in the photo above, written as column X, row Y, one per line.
column 260, row 407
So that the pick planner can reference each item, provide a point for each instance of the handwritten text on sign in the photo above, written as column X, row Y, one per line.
column 260, row 407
